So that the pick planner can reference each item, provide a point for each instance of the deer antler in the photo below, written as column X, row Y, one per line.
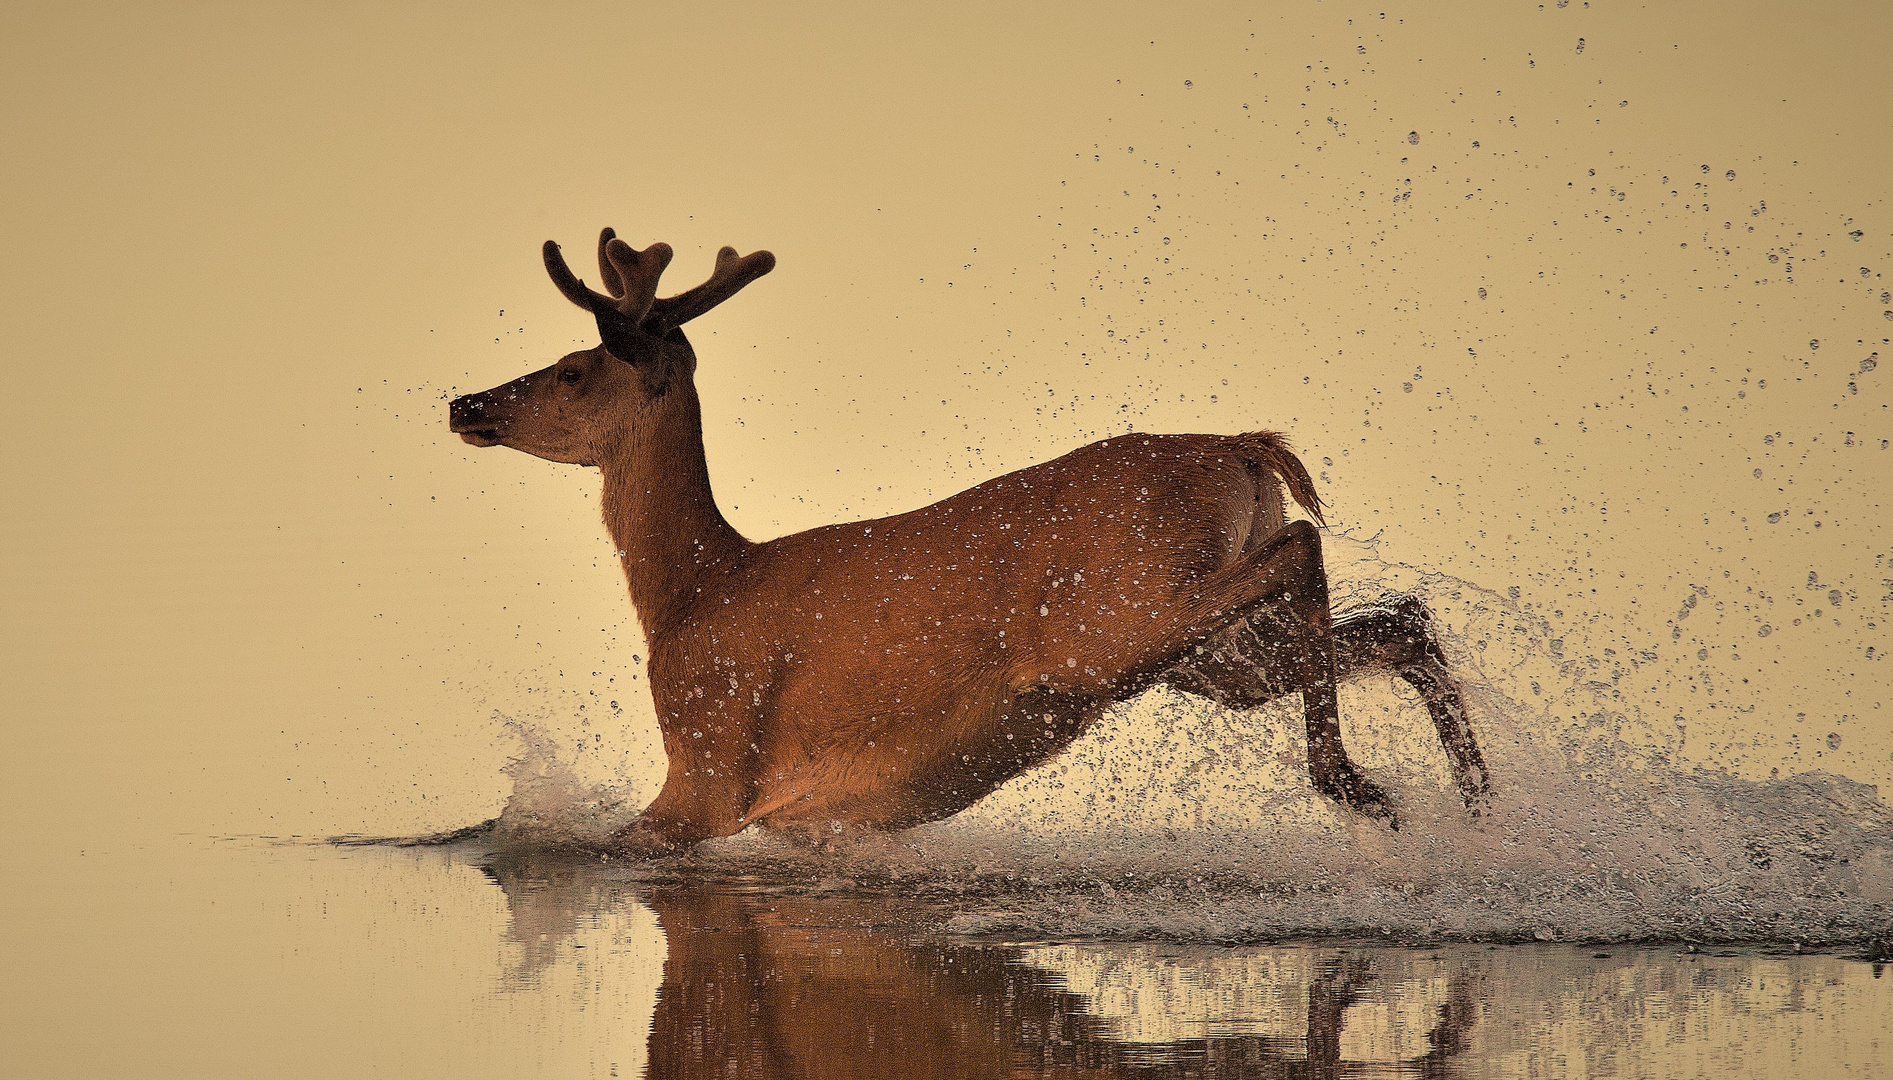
column 613, row 284
column 732, row 272
column 630, row 274
column 631, row 277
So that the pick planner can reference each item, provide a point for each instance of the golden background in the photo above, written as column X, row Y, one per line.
column 1579, row 299
column 1512, row 276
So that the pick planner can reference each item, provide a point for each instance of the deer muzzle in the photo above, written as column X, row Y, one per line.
column 471, row 418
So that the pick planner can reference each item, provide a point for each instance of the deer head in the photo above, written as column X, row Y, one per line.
column 580, row 408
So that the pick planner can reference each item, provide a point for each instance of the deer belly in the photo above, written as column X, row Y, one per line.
column 910, row 775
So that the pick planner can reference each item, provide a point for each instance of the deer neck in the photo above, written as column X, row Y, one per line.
column 660, row 513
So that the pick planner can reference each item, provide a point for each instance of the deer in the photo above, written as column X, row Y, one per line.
column 876, row 675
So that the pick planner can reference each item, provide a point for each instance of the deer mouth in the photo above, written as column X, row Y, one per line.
column 468, row 418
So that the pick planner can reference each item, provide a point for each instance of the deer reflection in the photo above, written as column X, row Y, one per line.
column 758, row 985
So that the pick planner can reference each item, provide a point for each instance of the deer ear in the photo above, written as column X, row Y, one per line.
column 623, row 340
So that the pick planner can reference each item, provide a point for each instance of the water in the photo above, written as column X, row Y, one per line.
column 293, row 959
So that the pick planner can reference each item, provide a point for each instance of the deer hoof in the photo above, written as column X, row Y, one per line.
column 1476, row 790
column 638, row 841
column 1359, row 794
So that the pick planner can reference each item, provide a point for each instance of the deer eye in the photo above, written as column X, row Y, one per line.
column 570, row 374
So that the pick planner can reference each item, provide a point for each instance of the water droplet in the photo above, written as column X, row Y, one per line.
column 1413, row 137
column 1730, row 174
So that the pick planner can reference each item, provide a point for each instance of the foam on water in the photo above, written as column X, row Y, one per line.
column 1175, row 818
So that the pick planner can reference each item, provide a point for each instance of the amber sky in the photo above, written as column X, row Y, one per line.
column 1512, row 275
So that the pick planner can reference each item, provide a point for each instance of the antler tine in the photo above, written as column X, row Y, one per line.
column 569, row 284
column 731, row 274
column 634, row 274
column 638, row 272
column 613, row 284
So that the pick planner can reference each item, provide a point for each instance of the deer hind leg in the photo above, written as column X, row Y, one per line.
column 1242, row 667
column 1396, row 635
column 1284, row 572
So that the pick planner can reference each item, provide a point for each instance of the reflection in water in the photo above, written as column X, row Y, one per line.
column 760, row 983
column 293, row 962
column 765, row 980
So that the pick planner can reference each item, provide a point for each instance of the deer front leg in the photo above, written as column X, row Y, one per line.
column 682, row 816
column 709, row 791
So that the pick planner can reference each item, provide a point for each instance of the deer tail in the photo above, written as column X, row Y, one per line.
column 1270, row 450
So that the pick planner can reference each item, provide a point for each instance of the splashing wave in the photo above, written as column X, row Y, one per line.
column 1177, row 819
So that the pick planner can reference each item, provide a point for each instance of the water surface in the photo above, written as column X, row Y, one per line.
column 292, row 959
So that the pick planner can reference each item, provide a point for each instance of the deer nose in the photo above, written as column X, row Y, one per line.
column 467, row 411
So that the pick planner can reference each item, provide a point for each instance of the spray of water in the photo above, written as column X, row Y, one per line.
column 1178, row 819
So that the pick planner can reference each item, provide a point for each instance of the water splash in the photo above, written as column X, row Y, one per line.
column 1177, row 819
column 552, row 807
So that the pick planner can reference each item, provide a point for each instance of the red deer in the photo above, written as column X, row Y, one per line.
column 884, row 673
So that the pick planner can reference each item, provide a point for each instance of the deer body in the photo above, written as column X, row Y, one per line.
column 884, row 673
column 892, row 671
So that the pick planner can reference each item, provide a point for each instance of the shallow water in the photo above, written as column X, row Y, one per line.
column 296, row 959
